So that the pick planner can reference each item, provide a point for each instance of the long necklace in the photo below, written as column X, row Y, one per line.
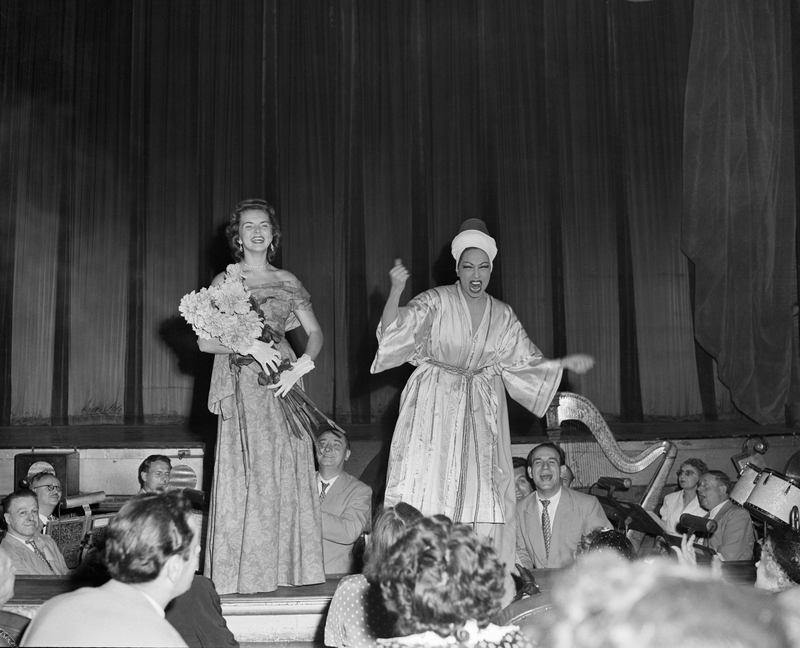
column 255, row 267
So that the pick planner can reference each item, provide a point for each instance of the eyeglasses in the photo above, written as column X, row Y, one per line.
column 50, row 487
column 688, row 473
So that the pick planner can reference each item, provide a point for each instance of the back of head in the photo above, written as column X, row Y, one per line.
column 148, row 529
column 782, row 546
column 440, row 575
column 389, row 526
column 608, row 603
column 606, row 541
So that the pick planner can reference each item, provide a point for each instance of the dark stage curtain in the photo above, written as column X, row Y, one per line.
column 739, row 197
column 131, row 129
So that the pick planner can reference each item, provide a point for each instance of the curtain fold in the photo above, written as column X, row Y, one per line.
column 739, row 197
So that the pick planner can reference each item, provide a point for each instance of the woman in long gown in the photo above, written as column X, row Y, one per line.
column 264, row 521
column 451, row 449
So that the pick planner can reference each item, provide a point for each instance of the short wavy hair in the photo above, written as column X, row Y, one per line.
column 721, row 478
column 12, row 497
column 390, row 525
column 148, row 530
column 149, row 461
column 698, row 464
column 232, row 230
column 440, row 575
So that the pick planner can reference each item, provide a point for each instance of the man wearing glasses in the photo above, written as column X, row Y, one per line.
column 47, row 488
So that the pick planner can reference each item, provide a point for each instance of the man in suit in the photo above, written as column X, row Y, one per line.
column 345, row 502
column 552, row 519
column 152, row 549
column 32, row 553
column 735, row 537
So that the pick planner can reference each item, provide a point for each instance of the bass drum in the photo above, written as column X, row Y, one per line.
column 745, row 485
column 773, row 498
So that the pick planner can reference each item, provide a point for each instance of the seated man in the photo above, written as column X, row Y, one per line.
column 523, row 486
column 32, row 553
column 345, row 503
column 152, row 549
column 154, row 474
column 735, row 537
column 47, row 488
column 552, row 519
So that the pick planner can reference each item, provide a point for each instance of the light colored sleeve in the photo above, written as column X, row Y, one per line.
column 738, row 540
column 531, row 379
column 345, row 528
column 407, row 337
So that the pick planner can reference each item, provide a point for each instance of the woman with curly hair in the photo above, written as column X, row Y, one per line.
column 444, row 584
column 357, row 616
column 264, row 522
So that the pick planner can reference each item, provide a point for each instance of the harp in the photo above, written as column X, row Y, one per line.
column 567, row 406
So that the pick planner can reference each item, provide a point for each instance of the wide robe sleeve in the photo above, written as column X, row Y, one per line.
column 530, row 379
column 406, row 339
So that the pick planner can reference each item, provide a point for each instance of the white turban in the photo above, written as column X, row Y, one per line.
column 473, row 235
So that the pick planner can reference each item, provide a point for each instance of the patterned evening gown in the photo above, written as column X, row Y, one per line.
column 264, row 527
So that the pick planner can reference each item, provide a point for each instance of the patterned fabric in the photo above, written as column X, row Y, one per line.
column 266, row 534
column 324, row 486
column 547, row 529
column 491, row 637
column 444, row 455
column 357, row 616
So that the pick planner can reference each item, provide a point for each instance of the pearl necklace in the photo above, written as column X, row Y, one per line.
column 255, row 267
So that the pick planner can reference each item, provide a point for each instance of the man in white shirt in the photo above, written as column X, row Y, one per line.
column 345, row 502
column 552, row 519
column 735, row 537
column 152, row 549
column 32, row 553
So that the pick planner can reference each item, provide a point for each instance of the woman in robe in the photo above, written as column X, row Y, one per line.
column 451, row 450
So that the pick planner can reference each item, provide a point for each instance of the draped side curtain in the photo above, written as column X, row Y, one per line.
column 130, row 130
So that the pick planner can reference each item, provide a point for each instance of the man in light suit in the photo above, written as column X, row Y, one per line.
column 345, row 502
column 31, row 553
column 567, row 514
column 152, row 549
column 735, row 537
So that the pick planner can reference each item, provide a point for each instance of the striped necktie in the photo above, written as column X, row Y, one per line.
column 40, row 553
column 546, row 531
column 324, row 488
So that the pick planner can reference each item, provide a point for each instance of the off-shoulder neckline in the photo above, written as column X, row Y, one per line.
column 277, row 281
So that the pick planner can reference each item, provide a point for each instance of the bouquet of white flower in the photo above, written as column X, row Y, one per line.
column 228, row 313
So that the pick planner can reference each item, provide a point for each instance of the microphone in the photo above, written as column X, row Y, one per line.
column 614, row 482
column 696, row 524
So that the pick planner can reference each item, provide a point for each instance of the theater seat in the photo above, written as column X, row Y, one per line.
column 533, row 615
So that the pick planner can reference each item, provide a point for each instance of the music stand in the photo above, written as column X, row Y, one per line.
column 69, row 534
column 637, row 519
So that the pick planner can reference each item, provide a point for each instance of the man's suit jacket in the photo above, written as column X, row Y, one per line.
column 28, row 563
column 346, row 513
column 114, row 614
column 735, row 537
column 197, row 616
column 577, row 515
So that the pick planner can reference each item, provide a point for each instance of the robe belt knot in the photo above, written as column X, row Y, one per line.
column 469, row 374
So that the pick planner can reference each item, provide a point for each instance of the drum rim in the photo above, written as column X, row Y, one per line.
column 759, row 512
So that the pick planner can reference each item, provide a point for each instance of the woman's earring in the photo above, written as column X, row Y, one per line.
column 241, row 247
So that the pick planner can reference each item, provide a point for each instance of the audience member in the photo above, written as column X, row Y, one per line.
column 735, row 537
column 47, row 488
column 522, row 483
column 345, row 502
column 197, row 616
column 154, row 474
column 357, row 616
column 11, row 624
column 551, row 520
column 32, row 553
column 778, row 568
column 609, row 603
column 567, row 476
column 151, row 552
column 683, row 500
column 444, row 584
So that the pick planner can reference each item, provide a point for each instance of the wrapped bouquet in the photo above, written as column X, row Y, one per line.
column 229, row 313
